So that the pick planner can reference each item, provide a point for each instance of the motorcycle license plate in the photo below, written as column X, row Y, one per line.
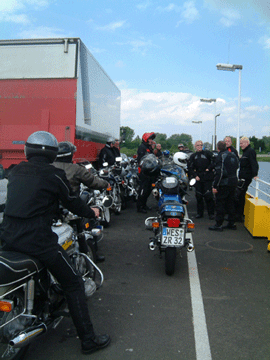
column 173, row 236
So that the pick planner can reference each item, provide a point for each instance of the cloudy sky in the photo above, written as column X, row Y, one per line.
column 163, row 54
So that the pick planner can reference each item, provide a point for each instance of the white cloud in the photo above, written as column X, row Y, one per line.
column 144, row 6
column 167, row 112
column 112, row 26
column 170, row 7
column 18, row 19
column 265, row 42
column 43, row 32
column 11, row 10
column 230, row 17
column 190, row 13
column 139, row 45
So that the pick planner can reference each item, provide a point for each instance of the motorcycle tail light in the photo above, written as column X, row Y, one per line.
column 109, row 188
column 173, row 222
column 155, row 224
column 190, row 225
column 6, row 305
column 87, row 225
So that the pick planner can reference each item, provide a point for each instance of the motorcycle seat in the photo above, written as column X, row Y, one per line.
column 178, row 206
column 15, row 266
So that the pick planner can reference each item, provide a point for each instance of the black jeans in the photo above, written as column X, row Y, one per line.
column 225, row 204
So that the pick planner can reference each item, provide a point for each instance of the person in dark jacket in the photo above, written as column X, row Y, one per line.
column 158, row 151
column 77, row 174
column 248, row 170
column 200, row 167
column 230, row 148
column 145, row 180
column 224, row 184
column 33, row 194
column 107, row 154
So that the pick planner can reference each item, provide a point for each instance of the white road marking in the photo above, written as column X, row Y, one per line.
column 202, row 345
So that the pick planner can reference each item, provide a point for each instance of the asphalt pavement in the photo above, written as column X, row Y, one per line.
column 152, row 316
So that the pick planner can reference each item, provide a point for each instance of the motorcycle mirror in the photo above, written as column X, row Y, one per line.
column 107, row 201
column 192, row 182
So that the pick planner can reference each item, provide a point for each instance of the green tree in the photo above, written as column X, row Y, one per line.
column 127, row 133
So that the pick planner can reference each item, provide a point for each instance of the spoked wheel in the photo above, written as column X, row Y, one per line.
column 118, row 203
column 170, row 259
column 11, row 330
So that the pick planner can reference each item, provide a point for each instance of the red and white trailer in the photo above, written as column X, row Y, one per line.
column 55, row 85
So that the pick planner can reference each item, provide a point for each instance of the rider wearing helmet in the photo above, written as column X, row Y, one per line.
column 146, row 180
column 33, row 194
column 75, row 173
column 107, row 153
column 201, row 166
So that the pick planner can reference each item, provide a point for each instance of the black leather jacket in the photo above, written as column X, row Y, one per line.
column 226, row 167
column 33, row 194
column 199, row 162
column 106, row 155
column 248, row 164
column 143, row 149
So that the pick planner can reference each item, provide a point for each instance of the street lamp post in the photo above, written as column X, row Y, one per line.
column 215, row 135
column 230, row 67
column 199, row 122
column 210, row 101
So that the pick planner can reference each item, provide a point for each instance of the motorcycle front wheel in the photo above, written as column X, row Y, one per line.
column 11, row 330
column 170, row 259
column 107, row 217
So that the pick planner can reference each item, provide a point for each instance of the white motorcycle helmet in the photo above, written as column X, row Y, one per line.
column 180, row 159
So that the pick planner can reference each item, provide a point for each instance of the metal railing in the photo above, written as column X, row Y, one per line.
column 258, row 190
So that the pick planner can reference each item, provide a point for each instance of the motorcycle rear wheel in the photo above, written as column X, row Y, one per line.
column 11, row 330
column 170, row 259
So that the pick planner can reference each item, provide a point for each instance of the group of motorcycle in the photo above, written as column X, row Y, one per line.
column 31, row 299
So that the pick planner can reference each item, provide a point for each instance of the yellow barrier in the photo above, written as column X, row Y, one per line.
column 257, row 217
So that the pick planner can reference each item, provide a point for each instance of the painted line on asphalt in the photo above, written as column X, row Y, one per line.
column 202, row 345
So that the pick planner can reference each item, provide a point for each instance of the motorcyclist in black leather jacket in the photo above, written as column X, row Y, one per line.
column 33, row 194
column 200, row 167
column 107, row 154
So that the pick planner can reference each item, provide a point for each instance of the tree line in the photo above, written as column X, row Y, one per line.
column 130, row 143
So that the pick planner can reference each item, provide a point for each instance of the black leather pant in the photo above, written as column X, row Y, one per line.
column 225, row 204
column 204, row 193
column 145, row 190
column 72, row 284
column 240, row 194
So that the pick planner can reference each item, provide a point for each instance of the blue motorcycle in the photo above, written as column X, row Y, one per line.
column 171, row 226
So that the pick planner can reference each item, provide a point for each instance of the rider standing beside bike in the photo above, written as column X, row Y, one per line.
column 145, row 181
column 33, row 194
column 200, row 167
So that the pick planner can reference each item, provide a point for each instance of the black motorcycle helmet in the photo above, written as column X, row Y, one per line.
column 65, row 151
column 150, row 165
column 41, row 143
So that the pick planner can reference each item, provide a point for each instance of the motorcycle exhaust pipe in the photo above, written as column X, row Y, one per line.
column 190, row 247
column 152, row 245
column 27, row 337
